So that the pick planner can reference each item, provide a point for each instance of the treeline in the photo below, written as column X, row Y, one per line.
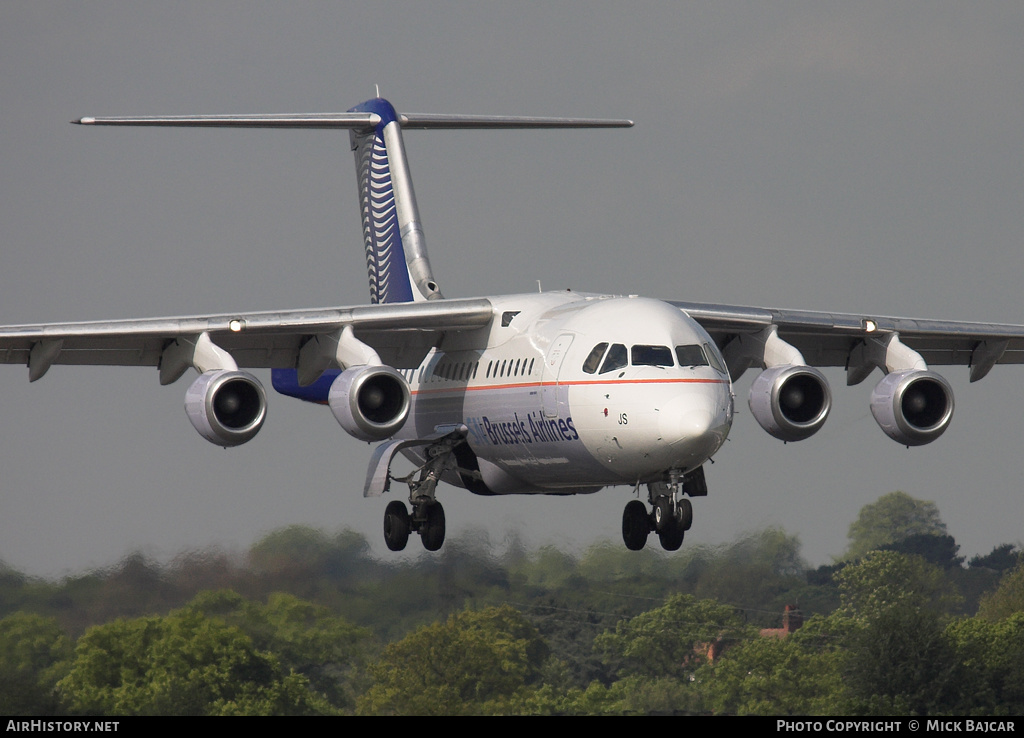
column 308, row 622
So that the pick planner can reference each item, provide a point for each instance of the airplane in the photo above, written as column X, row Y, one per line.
column 555, row 393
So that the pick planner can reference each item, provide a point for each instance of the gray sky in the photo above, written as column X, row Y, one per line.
column 857, row 157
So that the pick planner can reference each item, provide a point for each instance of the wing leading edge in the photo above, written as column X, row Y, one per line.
column 259, row 339
column 832, row 339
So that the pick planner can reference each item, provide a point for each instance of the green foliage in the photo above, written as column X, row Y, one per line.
column 753, row 572
column 478, row 662
column 1001, row 558
column 901, row 662
column 1008, row 597
column 584, row 639
column 890, row 519
column 935, row 549
column 993, row 655
column 181, row 664
column 672, row 640
column 32, row 649
column 886, row 579
column 306, row 638
column 798, row 675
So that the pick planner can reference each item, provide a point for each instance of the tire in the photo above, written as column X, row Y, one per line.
column 432, row 530
column 671, row 538
column 396, row 525
column 636, row 525
column 664, row 517
column 684, row 514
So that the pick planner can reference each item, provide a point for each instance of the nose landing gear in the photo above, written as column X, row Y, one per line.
column 671, row 514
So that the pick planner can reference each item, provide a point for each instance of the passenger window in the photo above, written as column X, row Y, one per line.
column 594, row 360
column 617, row 358
column 651, row 356
column 691, row 356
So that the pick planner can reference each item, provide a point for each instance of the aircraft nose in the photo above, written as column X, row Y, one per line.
column 697, row 423
column 688, row 423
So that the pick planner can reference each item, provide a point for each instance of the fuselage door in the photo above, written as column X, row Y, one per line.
column 552, row 369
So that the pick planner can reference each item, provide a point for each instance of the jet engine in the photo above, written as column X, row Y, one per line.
column 790, row 402
column 227, row 407
column 913, row 407
column 370, row 402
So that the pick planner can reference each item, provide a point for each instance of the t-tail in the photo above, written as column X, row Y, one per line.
column 396, row 252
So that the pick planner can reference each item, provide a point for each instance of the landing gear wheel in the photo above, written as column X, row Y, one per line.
column 684, row 514
column 432, row 529
column 396, row 525
column 664, row 515
column 635, row 525
column 671, row 537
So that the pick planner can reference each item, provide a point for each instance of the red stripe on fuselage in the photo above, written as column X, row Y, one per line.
column 579, row 382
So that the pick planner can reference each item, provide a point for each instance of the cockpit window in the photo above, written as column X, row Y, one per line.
column 651, row 356
column 715, row 359
column 616, row 359
column 692, row 355
column 594, row 359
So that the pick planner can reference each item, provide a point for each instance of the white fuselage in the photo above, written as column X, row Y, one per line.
column 565, row 393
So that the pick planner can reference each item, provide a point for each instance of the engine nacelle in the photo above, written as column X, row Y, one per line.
column 371, row 402
column 226, row 407
column 913, row 407
column 790, row 402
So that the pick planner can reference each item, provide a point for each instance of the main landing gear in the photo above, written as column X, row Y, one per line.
column 427, row 516
column 427, row 519
column 671, row 514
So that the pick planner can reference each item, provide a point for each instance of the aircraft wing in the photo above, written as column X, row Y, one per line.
column 262, row 339
column 830, row 339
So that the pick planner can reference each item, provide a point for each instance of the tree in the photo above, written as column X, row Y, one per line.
column 993, row 654
column 935, row 549
column 797, row 675
column 901, row 662
column 326, row 649
column 672, row 640
column 1002, row 557
column 890, row 519
column 32, row 649
column 181, row 664
column 1008, row 597
column 753, row 571
column 886, row 579
column 477, row 662
column 897, row 658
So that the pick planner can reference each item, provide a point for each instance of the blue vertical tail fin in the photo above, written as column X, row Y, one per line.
column 396, row 251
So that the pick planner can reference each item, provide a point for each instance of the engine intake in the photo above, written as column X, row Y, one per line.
column 913, row 407
column 226, row 407
column 790, row 402
column 370, row 402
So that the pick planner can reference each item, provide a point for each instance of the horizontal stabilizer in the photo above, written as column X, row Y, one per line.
column 397, row 266
column 431, row 120
column 357, row 120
